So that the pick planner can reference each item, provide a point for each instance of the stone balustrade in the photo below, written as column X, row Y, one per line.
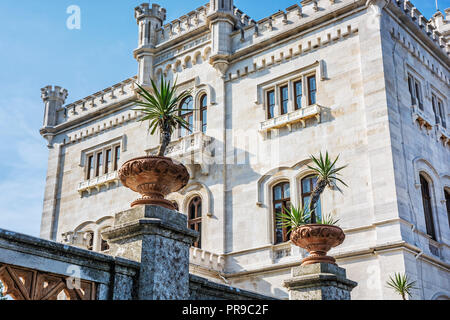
column 297, row 116
column 96, row 183
column 207, row 259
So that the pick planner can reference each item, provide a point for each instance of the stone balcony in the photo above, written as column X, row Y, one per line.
column 297, row 116
column 420, row 117
column 206, row 260
column 443, row 134
column 95, row 184
column 191, row 150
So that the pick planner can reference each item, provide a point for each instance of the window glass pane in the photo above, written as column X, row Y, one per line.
column 312, row 89
column 306, row 186
column 298, row 94
column 278, row 193
column 271, row 104
column 287, row 191
column 284, row 100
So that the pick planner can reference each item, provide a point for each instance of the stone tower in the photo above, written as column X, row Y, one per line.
column 54, row 98
column 149, row 20
column 221, row 22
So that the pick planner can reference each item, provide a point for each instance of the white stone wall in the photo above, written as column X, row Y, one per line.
column 366, row 118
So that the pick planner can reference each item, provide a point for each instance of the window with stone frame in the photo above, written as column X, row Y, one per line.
column 195, row 218
column 312, row 90
column 298, row 94
column 281, row 199
column 415, row 91
column 288, row 95
column 427, row 206
column 270, row 104
column 204, row 113
column 102, row 161
column 438, row 110
column 307, row 186
column 187, row 113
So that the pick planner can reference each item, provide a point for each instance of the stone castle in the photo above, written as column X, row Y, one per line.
column 364, row 79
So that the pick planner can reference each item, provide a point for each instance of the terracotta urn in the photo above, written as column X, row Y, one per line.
column 154, row 178
column 318, row 239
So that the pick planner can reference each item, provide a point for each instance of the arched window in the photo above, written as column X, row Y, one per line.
column 204, row 112
column 187, row 113
column 195, row 218
column 427, row 207
column 308, row 185
column 281, row 200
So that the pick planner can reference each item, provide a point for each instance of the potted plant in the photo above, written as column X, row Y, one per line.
column 317, row 235
column 401, row 284
column 154, row 177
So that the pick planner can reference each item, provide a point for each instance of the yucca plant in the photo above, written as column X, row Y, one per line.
column 161, row 108
column 401, row 284
column 296, row 217
column 327, row 176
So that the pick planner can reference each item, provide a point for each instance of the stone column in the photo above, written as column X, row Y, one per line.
column 319, row 282
column 159, row 239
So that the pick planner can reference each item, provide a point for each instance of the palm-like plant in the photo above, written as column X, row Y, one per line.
column 161, row 108
column 296, row 217
column 401, row 284
column 327, row 173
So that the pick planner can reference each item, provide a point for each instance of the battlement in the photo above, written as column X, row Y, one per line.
column 145, row 11
column 54, row 93
column 427, row 27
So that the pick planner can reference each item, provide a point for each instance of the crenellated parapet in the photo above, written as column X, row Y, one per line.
column 53, row 98
column 428, row 27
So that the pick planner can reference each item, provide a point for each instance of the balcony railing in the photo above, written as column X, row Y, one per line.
column 208, row 260
column 297, row 116
column 190, row 150
column 98, row 182
column 421, row 118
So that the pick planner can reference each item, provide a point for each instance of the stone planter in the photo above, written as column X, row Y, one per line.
column 154, row 178
column 318, row 239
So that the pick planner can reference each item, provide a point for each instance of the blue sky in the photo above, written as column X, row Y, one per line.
column 37, row 49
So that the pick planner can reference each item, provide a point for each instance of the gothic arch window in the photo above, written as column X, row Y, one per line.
column 187, row 113
column 204, row 113
column 195, row 218
column 307, row 186
column 427, row 206
column 281, row 200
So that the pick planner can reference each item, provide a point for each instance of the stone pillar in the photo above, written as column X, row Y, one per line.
column 319, row 282
column 159, row 239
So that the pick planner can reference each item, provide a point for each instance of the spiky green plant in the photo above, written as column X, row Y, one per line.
column 161, row 108
column 401, row 284
column 327, row 176
column 296, row 217
column 293, row 218
column 328, row 220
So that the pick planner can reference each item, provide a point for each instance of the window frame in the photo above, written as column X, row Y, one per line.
column 284, row 100
column 183, row 132
column 284, row 200
column 99, row 170
column 427, row 202
column 276, row 88
column 304, row 195
column 203, row 108
column 416, row 92
column 197, row 221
